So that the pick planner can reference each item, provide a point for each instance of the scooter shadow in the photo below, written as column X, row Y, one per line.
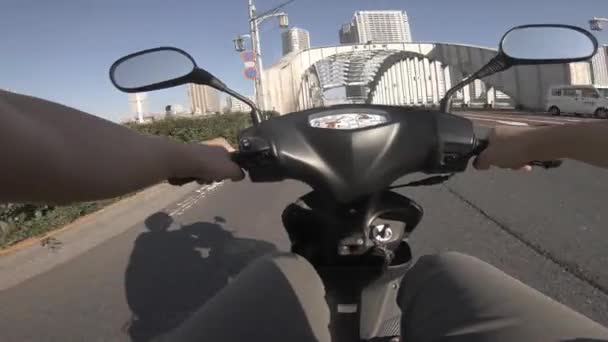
column 174, row 270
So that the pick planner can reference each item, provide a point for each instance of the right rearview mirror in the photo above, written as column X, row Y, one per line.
column 546, row 44
column 529, row 45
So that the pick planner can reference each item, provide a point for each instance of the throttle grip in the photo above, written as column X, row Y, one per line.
column 480, row 146
column 235, row 156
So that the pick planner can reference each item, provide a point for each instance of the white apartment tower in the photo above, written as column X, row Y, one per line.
column 377, row 27
column 295, row 39
column 203, row 99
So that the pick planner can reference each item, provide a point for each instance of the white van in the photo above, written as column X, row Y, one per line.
column 586, row 100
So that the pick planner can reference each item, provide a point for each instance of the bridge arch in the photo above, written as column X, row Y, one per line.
column 285, row 81
column 412, row 79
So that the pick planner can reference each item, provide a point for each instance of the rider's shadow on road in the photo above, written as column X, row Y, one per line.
column 173, row 272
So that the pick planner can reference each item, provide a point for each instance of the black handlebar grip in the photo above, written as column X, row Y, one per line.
column 236, row 158
column 480, row 146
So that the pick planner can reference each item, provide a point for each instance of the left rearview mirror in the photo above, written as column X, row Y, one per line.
column 167, row 67
column 152, row 69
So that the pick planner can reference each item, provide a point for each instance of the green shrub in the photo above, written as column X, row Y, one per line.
column 197, row 129
column 21, row 221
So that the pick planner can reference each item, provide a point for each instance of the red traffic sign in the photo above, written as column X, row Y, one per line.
column 248, row 56
column 250, row 73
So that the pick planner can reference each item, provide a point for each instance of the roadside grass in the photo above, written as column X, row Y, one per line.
column 22, row 221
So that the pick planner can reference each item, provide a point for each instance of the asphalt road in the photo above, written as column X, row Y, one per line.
column 547, row 228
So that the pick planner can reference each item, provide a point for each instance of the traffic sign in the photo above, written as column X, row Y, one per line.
column 250, row 73
column 248, row 56
column 249, row 64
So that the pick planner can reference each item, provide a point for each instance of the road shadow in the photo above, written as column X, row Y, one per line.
column 174, row 270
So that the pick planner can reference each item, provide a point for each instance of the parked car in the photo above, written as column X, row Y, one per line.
column 585, row 100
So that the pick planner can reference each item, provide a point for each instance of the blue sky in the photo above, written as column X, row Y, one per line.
column 61, row 49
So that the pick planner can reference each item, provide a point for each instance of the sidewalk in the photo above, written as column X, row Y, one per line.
column 38, row 255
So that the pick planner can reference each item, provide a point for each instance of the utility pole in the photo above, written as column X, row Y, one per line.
column 255, row 20
column 255, row 44
column 595, row 24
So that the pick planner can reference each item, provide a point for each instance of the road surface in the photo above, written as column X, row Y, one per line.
column 547, row 228
column 489, row 118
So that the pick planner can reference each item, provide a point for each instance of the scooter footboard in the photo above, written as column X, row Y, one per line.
column 380, row 315
column 363, row 300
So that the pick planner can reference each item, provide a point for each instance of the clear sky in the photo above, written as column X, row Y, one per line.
column 61, row 49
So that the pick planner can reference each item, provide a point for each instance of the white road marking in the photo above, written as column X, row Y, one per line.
column 496, row 118
column 192, row 200
column 512, row 123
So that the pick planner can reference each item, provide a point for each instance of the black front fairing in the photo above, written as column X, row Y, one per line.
column 348, row 164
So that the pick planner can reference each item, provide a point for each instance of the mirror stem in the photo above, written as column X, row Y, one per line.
column 496, row 64
column 255, row 112
column 206, row 78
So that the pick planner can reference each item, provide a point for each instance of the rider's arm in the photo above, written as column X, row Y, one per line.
column 53, row 153
column 514, row 147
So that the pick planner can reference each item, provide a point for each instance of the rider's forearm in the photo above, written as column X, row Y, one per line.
column 53, row 153
column 586, row 142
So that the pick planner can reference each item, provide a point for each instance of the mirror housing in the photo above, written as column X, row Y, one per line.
column 510, row 55
column 147, row 70
column 167, row 67
column 544, row 44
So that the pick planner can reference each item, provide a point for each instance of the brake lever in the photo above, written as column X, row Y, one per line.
column 181, row 181
column 482, row 144
column 550, row 164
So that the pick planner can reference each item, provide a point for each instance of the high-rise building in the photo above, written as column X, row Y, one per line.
column 348, row 34
column 599, row 63
column 203, row 99
column 295, row 39
column 376, row 27
column 234, row 105
column 139, row 105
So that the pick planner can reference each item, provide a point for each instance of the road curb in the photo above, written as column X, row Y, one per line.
column 32, row 257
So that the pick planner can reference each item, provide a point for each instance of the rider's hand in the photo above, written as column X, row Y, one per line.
column 208, row 162
column 507, row 149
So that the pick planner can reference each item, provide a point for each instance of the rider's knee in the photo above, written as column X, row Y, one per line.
column 292, row 267
column 446, row 261
column 441, row 268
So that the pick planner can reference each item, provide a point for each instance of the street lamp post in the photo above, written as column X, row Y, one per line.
column 595, row 24
column 254, row 22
